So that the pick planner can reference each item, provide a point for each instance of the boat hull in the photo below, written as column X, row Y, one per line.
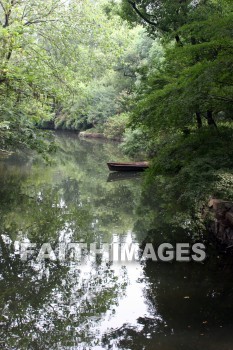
column 134, row 166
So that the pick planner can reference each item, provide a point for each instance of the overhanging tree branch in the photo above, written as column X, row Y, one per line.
column 37, row 21
column 43, row 17
column 3, row 7
column 133, row 4
column 148, row 21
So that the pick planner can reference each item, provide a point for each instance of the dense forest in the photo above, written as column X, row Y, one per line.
column 156, row 75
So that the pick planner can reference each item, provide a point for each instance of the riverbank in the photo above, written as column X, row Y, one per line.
column 98, row 135
column 89, row 133
column 218, row 217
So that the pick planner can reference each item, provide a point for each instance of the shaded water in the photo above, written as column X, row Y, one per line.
column 96, row 305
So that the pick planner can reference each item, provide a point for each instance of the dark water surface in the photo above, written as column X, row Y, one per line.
column 96, row 305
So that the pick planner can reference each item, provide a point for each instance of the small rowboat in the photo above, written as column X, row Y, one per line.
column 132, row 166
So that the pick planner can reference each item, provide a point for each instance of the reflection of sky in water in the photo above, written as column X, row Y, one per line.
column 133, row 305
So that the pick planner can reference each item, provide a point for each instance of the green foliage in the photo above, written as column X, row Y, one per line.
column 115, row 126
column 158, row 16
column 195, row 167
column 136, row 143
column 52, row 59
column 192, row 76
column 111, row 91
column 184, row 100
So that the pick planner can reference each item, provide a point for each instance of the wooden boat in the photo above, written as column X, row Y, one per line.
column 131, row 166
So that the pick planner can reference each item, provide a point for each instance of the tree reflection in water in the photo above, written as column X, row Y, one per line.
column 57, row 304
column 65, row 305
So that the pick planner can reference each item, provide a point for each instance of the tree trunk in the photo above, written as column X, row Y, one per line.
column 199, row 121
column 210, row 119
column 178, row 41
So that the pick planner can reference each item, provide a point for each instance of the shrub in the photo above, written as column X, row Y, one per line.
column 115, row 126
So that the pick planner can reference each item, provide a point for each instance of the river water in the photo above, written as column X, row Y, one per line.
column 96, row 304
